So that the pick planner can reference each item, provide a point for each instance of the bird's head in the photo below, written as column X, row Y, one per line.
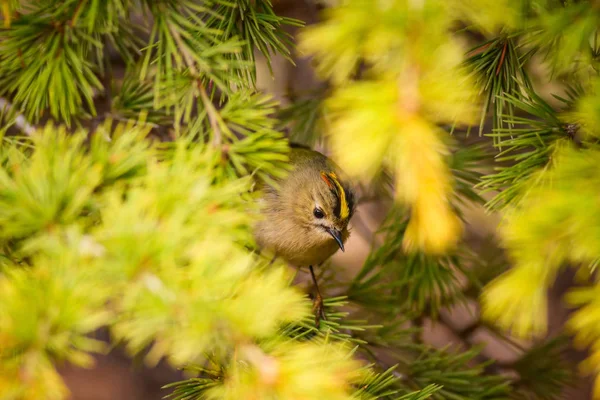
column 327, row 207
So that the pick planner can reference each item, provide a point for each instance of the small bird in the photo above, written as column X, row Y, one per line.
column 305, row 219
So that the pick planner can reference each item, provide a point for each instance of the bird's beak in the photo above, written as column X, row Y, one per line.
column 337, row 235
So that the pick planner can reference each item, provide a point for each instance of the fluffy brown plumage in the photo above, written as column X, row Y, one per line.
column 311, row 207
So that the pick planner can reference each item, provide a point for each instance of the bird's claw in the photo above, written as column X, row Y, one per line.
column 319, row 310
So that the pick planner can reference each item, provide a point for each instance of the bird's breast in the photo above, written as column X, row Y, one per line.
column 314, row 254
column 297, row 246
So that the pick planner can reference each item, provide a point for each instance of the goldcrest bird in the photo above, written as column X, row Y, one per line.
column 305, row 219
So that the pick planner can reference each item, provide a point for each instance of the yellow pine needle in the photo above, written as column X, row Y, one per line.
column 423, row 182
column 36, row 380
column 517, row 301
column 431, row 230
column 292, row 371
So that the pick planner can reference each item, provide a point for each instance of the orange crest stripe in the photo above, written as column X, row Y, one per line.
column 334, row 184
column 326, row 179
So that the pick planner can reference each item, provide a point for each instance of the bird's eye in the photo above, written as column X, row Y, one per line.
column 318, row 213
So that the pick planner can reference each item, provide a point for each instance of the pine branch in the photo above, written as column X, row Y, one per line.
column 255, row 23
column 62, row 69
column 500, row 73
column 528, row 149
column 543, row 373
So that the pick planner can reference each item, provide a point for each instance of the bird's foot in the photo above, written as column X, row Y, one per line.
column 319, row 310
